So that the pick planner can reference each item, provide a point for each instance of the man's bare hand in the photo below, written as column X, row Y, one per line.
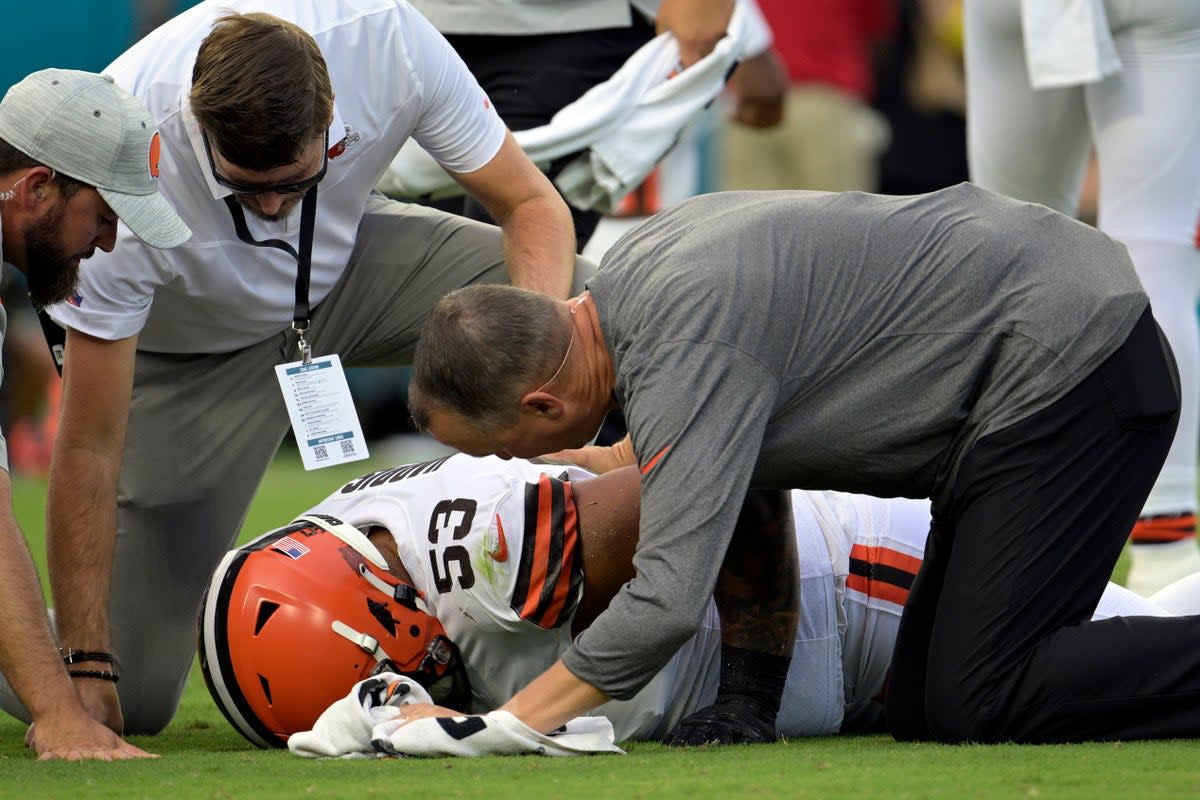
column 101, row 701
column 75, row 736
column 410, row 712
column 759, row 86
column 696, row 24
column 599, row 459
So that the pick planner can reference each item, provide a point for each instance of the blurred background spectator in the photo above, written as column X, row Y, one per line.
column 921, row 92
column 800, row 113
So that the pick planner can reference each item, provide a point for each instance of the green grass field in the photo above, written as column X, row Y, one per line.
column 202, row 757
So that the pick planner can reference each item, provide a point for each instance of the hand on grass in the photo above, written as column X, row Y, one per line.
column 74, row 736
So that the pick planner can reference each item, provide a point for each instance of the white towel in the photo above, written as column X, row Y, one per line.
column 492, row 734
column 1067, row 42
column 624, row 125
column 365, row 724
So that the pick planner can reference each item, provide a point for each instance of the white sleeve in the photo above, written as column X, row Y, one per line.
column 457, row 125
column 115, row 291
column 531, row 558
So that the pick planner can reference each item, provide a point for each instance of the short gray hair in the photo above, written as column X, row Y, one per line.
column 482, row 348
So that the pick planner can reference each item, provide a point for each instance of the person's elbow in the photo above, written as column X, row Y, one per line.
column 675, row 624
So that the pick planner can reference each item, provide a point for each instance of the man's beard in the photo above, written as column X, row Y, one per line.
column 289, row 205
column 50, row 272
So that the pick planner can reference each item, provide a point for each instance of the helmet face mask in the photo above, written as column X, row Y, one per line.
column 292, row 620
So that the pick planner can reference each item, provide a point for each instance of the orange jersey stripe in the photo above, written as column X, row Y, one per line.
column 562, row 586
column 1173, row 528
column 882, row 572
column 550, row 573
column 541, row 548
column 883, row 591
column 887, row 557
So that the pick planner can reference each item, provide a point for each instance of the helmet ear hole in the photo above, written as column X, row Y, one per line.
column 380, row 612
column 266, row 687
column 266, row 610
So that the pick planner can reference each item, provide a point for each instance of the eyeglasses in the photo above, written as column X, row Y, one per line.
column 276, row 188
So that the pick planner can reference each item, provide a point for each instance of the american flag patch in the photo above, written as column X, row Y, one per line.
column 290, row 547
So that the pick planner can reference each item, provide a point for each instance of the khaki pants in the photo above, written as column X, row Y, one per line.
column 827, row 140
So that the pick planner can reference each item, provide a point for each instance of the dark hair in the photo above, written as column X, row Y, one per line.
column 260, row 90
column 481, row 349
column 12, row 159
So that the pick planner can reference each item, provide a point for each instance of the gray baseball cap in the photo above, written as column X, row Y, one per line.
column 83, row 125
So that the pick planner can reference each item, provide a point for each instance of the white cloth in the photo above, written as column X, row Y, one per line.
column 1067, row 42
column 624, row 125
column 393, row 76
column 366, row 723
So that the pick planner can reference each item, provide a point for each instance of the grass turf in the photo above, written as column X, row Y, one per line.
column 202, row 757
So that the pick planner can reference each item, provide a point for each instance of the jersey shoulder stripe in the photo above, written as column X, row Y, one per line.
column 550, row 573
column 882, row 572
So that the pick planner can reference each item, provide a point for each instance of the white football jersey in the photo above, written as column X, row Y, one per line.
column 493, row 546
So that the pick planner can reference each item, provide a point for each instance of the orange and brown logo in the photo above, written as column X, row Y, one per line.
column 155, row 150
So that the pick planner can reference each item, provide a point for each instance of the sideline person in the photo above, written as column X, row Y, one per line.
column 510, row 47
column 995, row 356
column 1051, row 84
column 77, row 153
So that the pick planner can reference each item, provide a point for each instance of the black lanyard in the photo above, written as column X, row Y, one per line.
column 308, row 217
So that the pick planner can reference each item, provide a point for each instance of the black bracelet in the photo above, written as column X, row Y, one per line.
column 72, row 656
column 102, row 674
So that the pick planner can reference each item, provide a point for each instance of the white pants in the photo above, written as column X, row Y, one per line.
column 873, row 616
column 1143, row 123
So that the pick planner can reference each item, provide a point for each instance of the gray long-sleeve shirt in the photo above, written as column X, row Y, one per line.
column 827, row 341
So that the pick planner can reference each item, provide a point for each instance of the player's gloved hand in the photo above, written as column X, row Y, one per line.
column 747, row 703
column 732, row 719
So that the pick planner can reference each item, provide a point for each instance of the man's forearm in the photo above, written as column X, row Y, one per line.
column 758, row 591
column 28, row 655
column 554, row 698
column 81, row 532
column 539, row 247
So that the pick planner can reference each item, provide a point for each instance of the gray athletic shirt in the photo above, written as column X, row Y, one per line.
column 827, row 341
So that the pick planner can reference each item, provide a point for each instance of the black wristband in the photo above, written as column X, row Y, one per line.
column 102, row 674
column 757, row 676
column 72, row 656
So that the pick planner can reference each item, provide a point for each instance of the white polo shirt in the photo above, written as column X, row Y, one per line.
column 393, row 77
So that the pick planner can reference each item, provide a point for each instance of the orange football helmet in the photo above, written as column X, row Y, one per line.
column 292, row 620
